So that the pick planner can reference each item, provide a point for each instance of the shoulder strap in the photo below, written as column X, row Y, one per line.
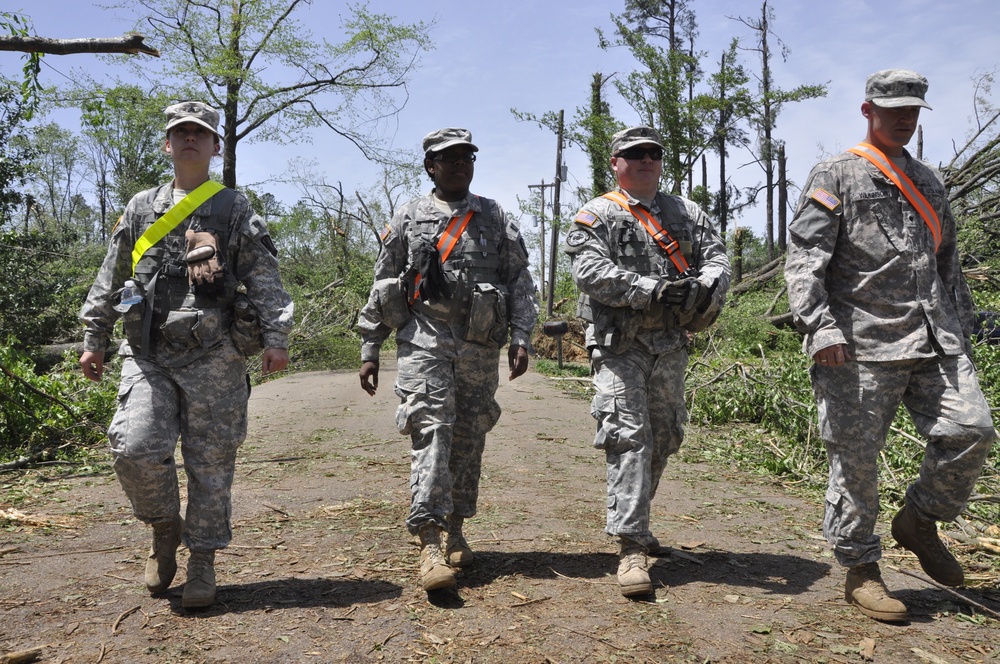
column 904, row 184
column 175, row 215
column 655, row 230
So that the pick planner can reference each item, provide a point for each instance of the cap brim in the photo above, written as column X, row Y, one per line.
column 452, row 143
column 899, row 102
column 180, row 121
column 635, row 143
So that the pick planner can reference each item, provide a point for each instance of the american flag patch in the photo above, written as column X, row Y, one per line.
column 585, row 218
column 385, row 232
column 825, row 198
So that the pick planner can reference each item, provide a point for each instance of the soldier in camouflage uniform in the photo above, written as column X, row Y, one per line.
column 452, row 280
column 208, row 295
column 875, row 284
column 641, row 295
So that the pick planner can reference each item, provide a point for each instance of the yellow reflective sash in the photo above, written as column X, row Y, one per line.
column 905, row 185
column 175, row 215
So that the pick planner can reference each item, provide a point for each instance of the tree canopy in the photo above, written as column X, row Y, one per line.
column 272, row 79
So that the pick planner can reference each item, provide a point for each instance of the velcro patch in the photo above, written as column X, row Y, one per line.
column 585, row 218
column 577, row 238
column 385, row 232
column 825, row 198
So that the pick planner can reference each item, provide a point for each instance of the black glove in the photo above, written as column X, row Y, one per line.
column 433, row 283
column 706, row 301
column 684, row 294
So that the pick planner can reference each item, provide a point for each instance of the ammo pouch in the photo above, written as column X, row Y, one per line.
column 245, row 330
column 487, row 323
column 392, row 302
column 186, row 328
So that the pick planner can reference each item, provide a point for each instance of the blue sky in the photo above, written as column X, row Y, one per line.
column 491, row 56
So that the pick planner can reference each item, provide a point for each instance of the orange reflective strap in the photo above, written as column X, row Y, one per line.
column 905, row 185
column 657, row 232
column 446, row 244
column 450, row 236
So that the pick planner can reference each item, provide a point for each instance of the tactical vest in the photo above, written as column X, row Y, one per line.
column 163, row 266
column 632, row 248
column 474, row 260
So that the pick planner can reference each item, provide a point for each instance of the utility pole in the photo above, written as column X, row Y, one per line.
column 541, row 190
column 555, row 218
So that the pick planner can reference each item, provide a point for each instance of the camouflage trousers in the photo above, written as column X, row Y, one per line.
column 857, row 403
column 205, row 405
column 447, row 406
column 640, row 413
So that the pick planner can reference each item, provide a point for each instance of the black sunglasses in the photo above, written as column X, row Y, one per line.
column 636, row 154
column 454, row 158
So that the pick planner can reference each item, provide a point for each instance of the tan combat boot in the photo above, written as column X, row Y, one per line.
column 866, row 590
column 921, row 537
column 457, row 550
column 161, row 565
column 434, row 571
column 199, row 591
column 633, row 576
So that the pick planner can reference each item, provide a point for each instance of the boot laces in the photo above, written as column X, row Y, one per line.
column 631, row 560
column 433, row 555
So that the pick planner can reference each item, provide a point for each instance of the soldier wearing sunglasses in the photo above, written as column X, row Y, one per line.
column 650, row 269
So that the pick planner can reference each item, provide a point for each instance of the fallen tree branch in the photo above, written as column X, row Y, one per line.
column 937, row 585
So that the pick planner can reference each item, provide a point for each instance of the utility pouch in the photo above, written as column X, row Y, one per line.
column 132, row 324
column 615, row 328
column 185, row 329
column 392, row 302
column 245, row 330
column 487, row 322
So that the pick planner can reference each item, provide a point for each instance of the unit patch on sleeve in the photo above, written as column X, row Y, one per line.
column 577, row 238
column 825, row 198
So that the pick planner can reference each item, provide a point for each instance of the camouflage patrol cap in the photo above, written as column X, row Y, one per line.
column 627, row 138
column 197, row 112
column 892, row 88
column 446, row 138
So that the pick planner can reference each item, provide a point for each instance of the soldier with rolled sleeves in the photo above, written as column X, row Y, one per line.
column 452, row 280
column 875, row 284
column 192, row 272
column 650, row 269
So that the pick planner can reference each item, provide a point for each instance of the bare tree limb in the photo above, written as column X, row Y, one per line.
column 131, row 43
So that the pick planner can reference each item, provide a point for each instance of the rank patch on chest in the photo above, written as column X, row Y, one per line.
column 585, row 218
column 577, row 238
column 825, row 198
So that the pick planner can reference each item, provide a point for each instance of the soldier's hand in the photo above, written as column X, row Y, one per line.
column 202, row 257
column 274, row 360
column 683, row 293
column 832, row 356
column 92, row 363
column 517, row 360
column 369, row 377
column 706, row 301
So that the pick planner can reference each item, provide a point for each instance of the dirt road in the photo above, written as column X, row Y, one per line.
column 322, row 569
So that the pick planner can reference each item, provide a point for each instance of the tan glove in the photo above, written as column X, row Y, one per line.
column 202, row 257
